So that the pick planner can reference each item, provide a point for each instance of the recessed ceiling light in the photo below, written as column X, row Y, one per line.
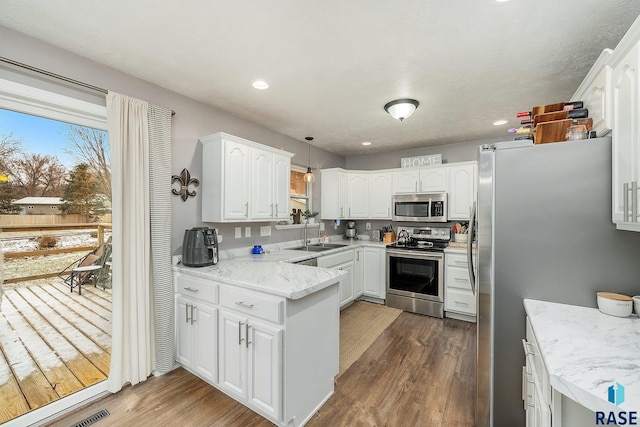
column 366, row 143
column 500, row 122
column 260, row 84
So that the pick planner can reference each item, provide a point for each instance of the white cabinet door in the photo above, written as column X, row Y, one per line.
column 380, row 194
column 281, row 184
column 264, row 348
column 595, row 92
column 205, row 349
column 406, row 181
column 236, row 181
column 358, row 277
column 184, row 344
column 261, row 205
column 374, row 272
column 434, row 179
column 232, row 354
column 462, row 190
column 625, row 128
column 333, row 195
column 346, row 284
column 357, row 195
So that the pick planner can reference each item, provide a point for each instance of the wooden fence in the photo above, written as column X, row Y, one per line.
column 99, row 227
column 48, row 219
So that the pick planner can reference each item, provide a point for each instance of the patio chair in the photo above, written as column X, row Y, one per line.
column 89, row 268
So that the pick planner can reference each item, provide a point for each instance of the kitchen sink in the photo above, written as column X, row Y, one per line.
column 319, row 247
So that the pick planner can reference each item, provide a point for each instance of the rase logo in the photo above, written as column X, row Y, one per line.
column 615, row 395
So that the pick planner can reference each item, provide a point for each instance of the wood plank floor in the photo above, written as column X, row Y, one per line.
column 52, row 343
column 419, row 372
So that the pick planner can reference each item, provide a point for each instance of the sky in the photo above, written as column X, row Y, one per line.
column 38, row 135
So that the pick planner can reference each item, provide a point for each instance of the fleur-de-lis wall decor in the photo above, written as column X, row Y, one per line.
column 185, row 181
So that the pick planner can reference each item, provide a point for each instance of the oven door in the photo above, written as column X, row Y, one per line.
column 415, row 274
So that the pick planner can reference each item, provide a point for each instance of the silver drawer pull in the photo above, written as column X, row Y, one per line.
column 190, row 290
column 459, row 279
column 460, row 303
column 244, row 304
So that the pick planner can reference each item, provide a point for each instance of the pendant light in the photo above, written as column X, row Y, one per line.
column 401, row 108
column 308, row 177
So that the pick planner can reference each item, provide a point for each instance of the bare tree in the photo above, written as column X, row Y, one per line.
column 9, row 148
column 38, row 175
column 91, row 146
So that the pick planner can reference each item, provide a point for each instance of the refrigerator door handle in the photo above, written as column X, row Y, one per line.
column 472, row 231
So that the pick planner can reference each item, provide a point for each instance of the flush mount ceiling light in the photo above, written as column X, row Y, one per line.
column 308, row 177
column 500, row 122
column 401, row 108
column 260, row 84
column 366, row 143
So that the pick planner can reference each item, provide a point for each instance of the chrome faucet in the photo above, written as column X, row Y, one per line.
column 306, row 238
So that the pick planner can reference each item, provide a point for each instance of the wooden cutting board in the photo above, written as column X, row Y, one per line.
column 549, row 117
column 554, row 131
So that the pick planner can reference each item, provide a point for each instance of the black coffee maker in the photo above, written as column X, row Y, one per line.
column 200, row 247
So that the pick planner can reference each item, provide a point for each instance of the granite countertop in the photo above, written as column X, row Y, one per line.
column 586, row 351
column 274, row 271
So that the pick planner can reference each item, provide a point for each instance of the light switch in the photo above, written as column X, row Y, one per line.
column 238, row 232
column 265, row 230
column 247, row 232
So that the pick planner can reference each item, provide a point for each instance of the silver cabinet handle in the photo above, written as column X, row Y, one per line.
column 461, row 303
column 240, row 332
column 244, row 304
column 634, row 201
column 191, row 290
column 246, row 209
column 193, row 319
column 416, row 186
column 388, row 211
column 349, row 211
column 625, row 202
column 277, row 213
column 271, row 210
column 459, row 279
column 246, row 333
column 341, row 212
column 186, row 311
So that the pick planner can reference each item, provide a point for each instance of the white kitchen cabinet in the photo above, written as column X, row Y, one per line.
column 358, row 277
column 343, row 261
column 434, row 179
column 251, row 361
column 196, row 327
column 595, row 93
column 462, row 190
column 374, row 276
column 333, row 188
column 459, row 300
column 406, row 181
column 243, row 181
column 357, row 195
column 536, row 388
column 380, row 195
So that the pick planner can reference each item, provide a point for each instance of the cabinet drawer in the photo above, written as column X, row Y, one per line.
column 333, row 260
column 460, row 301
column 541, row 377
column 196, row 287
column 253, row 304
column 456, row 277
column 456, row 260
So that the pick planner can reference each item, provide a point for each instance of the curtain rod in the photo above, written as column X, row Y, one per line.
column 58, row 76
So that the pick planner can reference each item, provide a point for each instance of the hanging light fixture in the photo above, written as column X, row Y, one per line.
column 401, row 108
column 308, row 177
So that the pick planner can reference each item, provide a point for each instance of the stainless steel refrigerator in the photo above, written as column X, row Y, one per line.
column 544, row 231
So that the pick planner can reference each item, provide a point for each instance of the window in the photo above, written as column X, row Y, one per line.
column 300, row 191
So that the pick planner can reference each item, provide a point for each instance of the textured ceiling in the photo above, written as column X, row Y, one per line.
column 333, row 64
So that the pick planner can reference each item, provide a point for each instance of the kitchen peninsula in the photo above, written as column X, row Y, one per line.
column 263, row 331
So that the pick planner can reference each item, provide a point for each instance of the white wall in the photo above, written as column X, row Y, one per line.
column 192, row 120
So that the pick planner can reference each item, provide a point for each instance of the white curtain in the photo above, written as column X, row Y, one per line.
column 132, row 353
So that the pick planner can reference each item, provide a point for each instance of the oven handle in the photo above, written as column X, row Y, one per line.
column 436, row 256
column 472, row 231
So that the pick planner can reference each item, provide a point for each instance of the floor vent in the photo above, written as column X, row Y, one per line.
column 92, row 419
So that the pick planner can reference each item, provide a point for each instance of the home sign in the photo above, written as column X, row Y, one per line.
column 411, row 162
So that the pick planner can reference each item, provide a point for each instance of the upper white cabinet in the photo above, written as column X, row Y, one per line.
column 357, row 195
column 595, row 92
column 433, row 179
column 380, row 193
column 333, row 197
column 243, row 180
column 462, row 190
column 406, row 181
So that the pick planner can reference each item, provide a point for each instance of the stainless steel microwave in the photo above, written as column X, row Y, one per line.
column 420, row 207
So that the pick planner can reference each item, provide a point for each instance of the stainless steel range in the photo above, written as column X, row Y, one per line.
column 415, row 270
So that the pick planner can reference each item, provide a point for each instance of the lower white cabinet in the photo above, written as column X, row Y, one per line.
column 270, row 353
column 458, row 296
column 251, row 362
column 196, row 327
column 343, row 261
column 374, row 276
column 358, row 279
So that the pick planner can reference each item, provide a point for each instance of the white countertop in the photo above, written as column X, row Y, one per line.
column 586, row 351
column 273, row 271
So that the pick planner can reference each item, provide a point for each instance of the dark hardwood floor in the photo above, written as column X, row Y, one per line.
column 419, row 372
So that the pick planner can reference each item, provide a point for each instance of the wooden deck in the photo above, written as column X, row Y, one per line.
column 52, row 343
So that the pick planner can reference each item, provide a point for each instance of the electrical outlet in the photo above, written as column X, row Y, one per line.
column 367, row 226
column 322, row 226
column 265, row 230
column 247, row 232
column 238, row 232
